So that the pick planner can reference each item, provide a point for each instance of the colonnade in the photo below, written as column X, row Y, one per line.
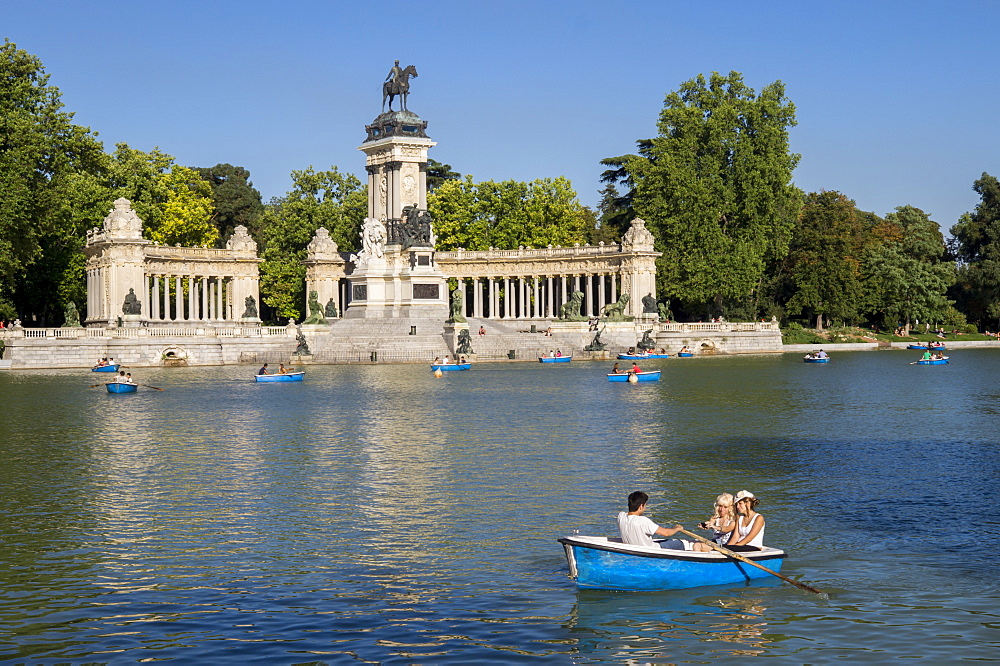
column 190, row 298
column 536, row 296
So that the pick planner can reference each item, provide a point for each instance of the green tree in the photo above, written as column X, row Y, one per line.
column 715, row 187
column 508, row 214
column 824, row 260
column 438, row 174
column 906, row 276
column 186, row 210
column 41, row 153
column 328, row 199
column 977, row 248
column 235, row 199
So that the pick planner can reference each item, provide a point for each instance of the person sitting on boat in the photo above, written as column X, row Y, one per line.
column 631, row 350
column 128, row 378
column 638, row 530
column 120, row 377
column 810, row 356
column 635, row 368
column 722, row 523
column 616, row 370
column 445, row 361
column 662, row 350
column 461, row 359
column 558, row 353
column 437, row 360
column 822, row 354
column 263, row 370
column 749, row 535
column 927, row 356
column 684, row 350
column 552, row 353
column 281, row 369
column 938, row 356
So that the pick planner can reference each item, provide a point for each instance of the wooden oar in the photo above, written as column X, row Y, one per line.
column 737, row 556
column 152, row 387
column 96, row 385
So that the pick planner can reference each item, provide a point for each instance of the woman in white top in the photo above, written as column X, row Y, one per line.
column 722, row 523
column 749, row 536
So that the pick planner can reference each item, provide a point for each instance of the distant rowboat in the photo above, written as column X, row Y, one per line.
column 121, row 387
column 106, row 368
column 941, row 346
column 286, row 377
column 649, row 376
column 555, row 359
column 685, row 354
column 933, row 361
column 608, row 564
column 450, row 366
column 639, row 357
column 817, row 360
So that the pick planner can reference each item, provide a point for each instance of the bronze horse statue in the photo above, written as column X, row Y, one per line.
column 398, row 86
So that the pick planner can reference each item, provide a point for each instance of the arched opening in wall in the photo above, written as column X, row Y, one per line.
column 174, row 356
column 707, row 346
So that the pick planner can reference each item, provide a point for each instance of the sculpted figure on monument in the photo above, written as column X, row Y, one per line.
column 647, row 342
column 570, row 310
column 372, row 240
column 648, row 304
column 596, row 344
column 616, row 311
column 72, row 316
column 251, row 308
column 315, row 310
column 464, row 342
column 397, row 84
column 302, row 348
column 331, row 309
column 457, row 316
column 132, row 306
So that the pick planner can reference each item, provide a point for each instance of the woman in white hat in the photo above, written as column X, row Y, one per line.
column 749, row 534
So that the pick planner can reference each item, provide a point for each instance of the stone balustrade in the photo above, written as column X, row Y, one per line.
column 153, row 332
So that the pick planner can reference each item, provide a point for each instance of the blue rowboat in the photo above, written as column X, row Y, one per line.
column 685, row 354
column 608, row 564
column 121, row 387
column 106, row 368
column 816, row 360
column 934, row 361
column 286, row 377
column 451, row 366
column 555, row 359
column 926, row 347
column 640, row 357
column 649, row 376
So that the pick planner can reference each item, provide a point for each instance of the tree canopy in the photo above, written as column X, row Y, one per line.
column 715, row 187
column 234, row 198
column 977, row 247
column 508, row 214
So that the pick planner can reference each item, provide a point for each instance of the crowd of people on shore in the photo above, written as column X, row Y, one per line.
column 734, row 524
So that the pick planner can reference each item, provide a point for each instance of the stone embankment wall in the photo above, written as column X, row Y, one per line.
column 362, row 341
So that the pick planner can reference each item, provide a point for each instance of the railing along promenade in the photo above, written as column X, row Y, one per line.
column 530, row 253
column 150, row 332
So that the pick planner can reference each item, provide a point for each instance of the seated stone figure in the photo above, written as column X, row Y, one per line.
column 647, row 343
column 616, row 311
column 464, row 342
column 570, row 310
column 315, row 310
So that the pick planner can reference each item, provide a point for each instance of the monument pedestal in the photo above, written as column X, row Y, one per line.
column 400, row 284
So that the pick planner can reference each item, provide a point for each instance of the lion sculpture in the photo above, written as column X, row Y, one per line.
column 570, row 310
column 616, row 311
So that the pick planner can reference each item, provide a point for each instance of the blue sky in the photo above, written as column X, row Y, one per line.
column 897, row 102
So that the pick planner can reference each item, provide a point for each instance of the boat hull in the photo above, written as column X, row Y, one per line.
column 606, row 564
column 685, row 354
column 925, row 347
column 942, row 361
column 640, row 357
column 287, row 377
column 816, row 360
column 119, row 387
column 106, row 368
column 555, row 359
column 649, row 376
column 451, row 366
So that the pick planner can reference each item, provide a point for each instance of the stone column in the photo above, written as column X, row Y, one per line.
column 218, row 299
column 477, row 297
column 492, row 308
column 203, row 306
column 178, row 299
column 590, row 294
column 614, row 289
column 155, row 300
column 562, row 295
column 507, row 298
column 600, row 294
column 536, row 301
column 191, row 299
column 548, row 296
column 422, row 185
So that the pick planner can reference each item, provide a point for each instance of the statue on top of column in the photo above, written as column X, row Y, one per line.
column 397, row 84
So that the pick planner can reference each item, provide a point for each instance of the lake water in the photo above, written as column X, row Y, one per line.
column 377, row 514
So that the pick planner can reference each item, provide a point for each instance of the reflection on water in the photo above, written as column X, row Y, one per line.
column 377, row 513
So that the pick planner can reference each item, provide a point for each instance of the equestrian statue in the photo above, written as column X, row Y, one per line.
column 398, row 84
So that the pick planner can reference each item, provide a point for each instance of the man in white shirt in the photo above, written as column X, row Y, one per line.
column 638, row 530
